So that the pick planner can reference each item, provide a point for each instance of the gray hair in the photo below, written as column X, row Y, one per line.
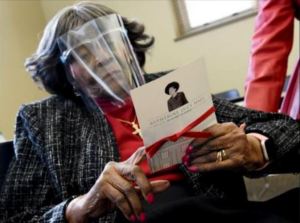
column 45, row 66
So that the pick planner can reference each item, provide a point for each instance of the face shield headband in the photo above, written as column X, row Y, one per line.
column 100, row 62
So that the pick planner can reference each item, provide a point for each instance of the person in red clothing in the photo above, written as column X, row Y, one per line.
column 271, row 45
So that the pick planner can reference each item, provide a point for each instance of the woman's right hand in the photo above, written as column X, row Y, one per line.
column 115, row 189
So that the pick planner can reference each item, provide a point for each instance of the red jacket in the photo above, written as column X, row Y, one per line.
column 271, row 45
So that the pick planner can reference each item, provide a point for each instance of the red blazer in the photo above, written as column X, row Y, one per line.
column 271, row 45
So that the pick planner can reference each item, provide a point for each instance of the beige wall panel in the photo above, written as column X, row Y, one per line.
column 20, row 24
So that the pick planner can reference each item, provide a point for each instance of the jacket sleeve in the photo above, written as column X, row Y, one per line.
column 271, row 45
column 281, row 129
column 28, row 194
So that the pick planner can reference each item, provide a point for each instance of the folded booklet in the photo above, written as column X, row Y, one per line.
column 172, row 111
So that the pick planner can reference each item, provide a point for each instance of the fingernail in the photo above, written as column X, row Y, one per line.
column 193, row 169
column 185, row 158
column 143, row 217
column 189, row 150
column 132, row 218
column 150, row 198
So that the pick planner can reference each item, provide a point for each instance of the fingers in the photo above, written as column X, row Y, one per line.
column 160, row 185
column 222, row 142
column 221, row 129
column 117, row 186
column 157, row 186
column 215, row 160
column 224, row 134
column 118, row 189
column 137, row 175
column 230, row 158
column 127, row 191
column 217, row 131
column 227, row 149
column 243, row 126
column 213, row 166
column 196, row 143
column 120, row 200
column 137, row 156
column 125, row 197
column 209, row 157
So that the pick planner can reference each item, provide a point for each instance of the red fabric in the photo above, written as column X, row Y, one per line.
column 271, row 45
column 107, row 105
column 151, row 150
column 128, row 143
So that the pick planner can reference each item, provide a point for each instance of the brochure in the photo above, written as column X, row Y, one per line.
column 168, row 108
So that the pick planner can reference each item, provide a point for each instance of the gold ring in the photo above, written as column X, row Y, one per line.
column 223, row 154
column 219, row 157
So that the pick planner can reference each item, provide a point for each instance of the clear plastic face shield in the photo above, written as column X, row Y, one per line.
column 100, row 62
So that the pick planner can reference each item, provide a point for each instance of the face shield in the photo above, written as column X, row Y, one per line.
column 100, row 62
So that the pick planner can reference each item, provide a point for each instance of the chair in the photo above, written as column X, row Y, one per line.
column 231, row 95
column 6, row 154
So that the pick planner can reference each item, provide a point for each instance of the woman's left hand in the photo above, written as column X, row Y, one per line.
column 228, row 148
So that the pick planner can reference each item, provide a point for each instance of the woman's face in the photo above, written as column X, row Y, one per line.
column 94, row 71
column 172, row 91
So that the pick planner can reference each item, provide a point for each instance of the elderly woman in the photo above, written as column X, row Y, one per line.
column 71, row 166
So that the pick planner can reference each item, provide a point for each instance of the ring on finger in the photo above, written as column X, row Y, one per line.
column 219, row 156
column 224, row 154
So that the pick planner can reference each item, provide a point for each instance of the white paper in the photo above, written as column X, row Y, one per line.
column 157, row 122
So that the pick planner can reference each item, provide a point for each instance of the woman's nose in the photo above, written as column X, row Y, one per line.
column 95, row 61
column 102, row 62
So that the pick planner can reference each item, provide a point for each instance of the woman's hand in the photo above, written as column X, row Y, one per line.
column 228, row 148
column 115, row 188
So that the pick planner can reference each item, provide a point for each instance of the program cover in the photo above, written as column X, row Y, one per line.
column 167, row 106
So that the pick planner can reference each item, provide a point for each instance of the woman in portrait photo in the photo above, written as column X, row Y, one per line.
column 177, row 99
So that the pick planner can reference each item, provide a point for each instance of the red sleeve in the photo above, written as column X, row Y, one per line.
column 271, row 45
